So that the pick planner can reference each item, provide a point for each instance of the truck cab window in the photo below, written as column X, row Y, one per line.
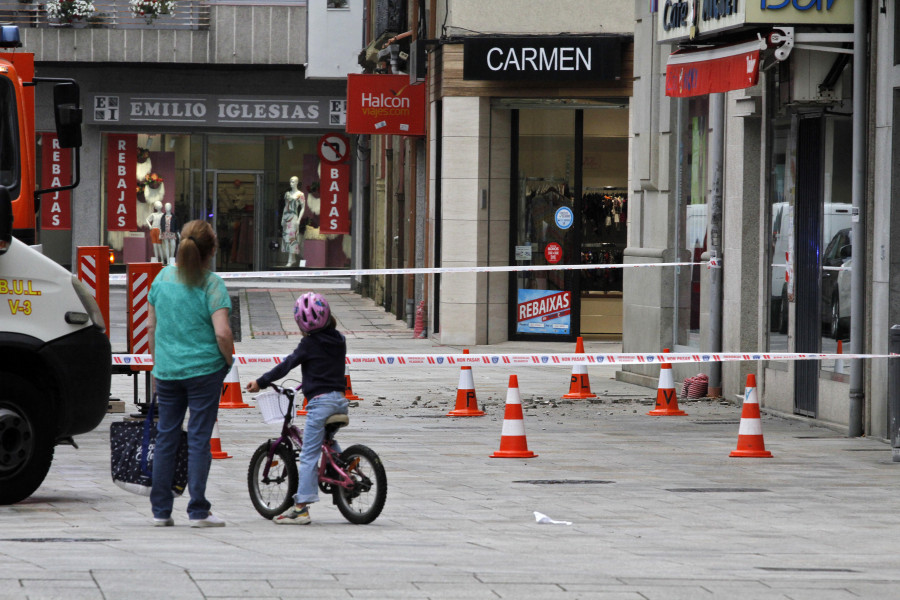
column 9, row 131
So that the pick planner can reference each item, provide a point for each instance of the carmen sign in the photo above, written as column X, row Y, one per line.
column 385, row 104
column 542, row 58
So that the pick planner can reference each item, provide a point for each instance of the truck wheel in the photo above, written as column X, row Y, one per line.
column 26, row 439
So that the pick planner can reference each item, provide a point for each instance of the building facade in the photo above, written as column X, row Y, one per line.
column 525, row 162
column 217, row 107
column 779, row 204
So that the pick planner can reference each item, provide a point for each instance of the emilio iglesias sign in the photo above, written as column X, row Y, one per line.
column 230, row 111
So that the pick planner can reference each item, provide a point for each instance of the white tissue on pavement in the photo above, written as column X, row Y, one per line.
column 544, row 519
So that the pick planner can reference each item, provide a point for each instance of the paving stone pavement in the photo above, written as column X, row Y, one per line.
column 658, row 509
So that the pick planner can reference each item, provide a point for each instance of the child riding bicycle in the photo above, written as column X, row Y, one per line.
column 321, row 354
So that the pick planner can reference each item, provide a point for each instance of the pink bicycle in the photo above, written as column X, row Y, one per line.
column 355, row 478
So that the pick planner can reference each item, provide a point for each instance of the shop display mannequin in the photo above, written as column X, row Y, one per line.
column 153, row 222
column 290, row 222
column 168, row 234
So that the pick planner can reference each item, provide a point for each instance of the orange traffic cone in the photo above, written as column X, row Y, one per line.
column 301, row 412
column 466, row 402
column 839, row 362
column 215, row 443
column 580, row 386
column 512, row 441
column 231, row 390
column 666, row 398
column 348, row 391
column 750, row 436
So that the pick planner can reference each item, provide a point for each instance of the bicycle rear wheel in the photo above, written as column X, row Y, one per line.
column 364, row 501
column 272, row 495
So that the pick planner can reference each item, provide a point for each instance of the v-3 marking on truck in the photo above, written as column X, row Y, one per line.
column 55, row 359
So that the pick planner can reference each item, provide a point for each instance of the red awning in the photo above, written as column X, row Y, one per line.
column 713, row 70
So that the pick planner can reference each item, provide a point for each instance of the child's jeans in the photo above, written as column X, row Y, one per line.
column 318, row 409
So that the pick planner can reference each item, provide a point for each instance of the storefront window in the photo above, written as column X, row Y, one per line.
column 783, row 173
column 835, row 246
column 604, row 210
column 260, row 193
column 695, row 184
column 546, row 165
column 837, row 260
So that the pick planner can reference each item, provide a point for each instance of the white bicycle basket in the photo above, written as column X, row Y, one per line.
column 273, row 406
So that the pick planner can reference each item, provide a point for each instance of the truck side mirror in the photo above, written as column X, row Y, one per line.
column 68, row 113
column 6, row 219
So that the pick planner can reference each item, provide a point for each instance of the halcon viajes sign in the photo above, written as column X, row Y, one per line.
column 542, row 58
column 209, row 111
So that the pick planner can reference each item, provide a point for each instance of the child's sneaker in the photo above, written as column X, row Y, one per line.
column 294, row 516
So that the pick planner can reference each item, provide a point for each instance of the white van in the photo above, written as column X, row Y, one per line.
column 836, row 217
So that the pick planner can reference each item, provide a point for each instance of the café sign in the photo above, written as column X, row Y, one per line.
column 678, row 20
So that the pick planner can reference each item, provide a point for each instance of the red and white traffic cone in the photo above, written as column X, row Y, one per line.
column 512, row 440
column 666, row 398
column 580, row 385
column 301, row 412
column 348, row 387
column 231, row 390
column 466, row 401
column 215, row 443
column 750, row 436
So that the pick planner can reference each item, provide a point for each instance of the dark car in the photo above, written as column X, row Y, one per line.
column 836, row 264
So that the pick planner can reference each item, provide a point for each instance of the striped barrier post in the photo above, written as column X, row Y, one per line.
column 140, row 276
column 93, row 271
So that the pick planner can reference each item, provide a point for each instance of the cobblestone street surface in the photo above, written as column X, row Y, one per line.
column 658, row 509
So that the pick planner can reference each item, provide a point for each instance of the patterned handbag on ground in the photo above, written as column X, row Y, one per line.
column 131, row 455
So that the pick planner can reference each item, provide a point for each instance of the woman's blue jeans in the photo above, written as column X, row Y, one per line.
column 318, row 409
column 201, row 395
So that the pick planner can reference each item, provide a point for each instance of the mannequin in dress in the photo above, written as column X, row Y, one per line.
column 153, row 222
column 290, row 222
column 168, row 234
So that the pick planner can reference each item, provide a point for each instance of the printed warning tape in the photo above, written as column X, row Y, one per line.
column 529, row 359
column 427, row 270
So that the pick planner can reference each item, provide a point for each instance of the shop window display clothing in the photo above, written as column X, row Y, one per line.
column 294, row 205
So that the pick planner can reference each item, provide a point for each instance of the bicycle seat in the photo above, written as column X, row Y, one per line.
column 335, row 422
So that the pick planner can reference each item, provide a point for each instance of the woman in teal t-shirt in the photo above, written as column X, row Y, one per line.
column 192, row 347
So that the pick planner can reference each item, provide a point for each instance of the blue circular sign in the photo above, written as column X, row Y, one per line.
column 564, row 217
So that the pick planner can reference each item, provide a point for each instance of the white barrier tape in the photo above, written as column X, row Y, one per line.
column 428, row 270
column 501, row 360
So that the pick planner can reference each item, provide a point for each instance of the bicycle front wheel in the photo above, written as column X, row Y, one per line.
column 273, row 494
column 363, row 502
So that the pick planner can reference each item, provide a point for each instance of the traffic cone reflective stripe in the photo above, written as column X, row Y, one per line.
column 580, row 384
column 348, row 387
column 512, row 439
column 666, row 398
column 466, row 401
column 750, row 436
column 231, row 390
column 215, row 443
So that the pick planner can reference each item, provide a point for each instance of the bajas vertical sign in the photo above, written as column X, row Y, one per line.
column 121, row 178
column 56, row 170
column 334, row 184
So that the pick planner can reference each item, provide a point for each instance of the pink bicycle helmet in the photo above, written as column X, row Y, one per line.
column 311, row 311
